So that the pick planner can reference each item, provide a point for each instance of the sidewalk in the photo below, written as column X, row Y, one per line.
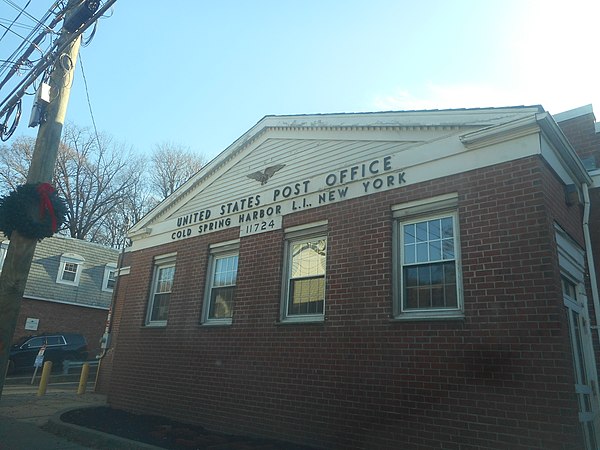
column 24, row 415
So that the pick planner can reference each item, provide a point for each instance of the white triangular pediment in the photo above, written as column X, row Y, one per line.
column 285, row 164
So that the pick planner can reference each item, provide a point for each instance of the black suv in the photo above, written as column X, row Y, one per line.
column 59, row 347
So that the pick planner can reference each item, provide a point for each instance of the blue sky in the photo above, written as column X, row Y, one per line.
column 201, row 73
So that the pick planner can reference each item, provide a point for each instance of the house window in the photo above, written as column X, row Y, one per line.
column 110, row 277
column 427, row 262
column 162, row 284
column 221, row 283
column 304, row 280
column 70, row 269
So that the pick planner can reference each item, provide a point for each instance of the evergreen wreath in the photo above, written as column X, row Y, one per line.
column 34, row 210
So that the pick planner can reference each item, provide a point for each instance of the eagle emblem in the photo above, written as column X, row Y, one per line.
column 264, row 176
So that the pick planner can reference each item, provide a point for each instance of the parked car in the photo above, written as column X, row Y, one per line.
column 59, row 347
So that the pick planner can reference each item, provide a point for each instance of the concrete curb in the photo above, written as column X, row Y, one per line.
column 93, row 438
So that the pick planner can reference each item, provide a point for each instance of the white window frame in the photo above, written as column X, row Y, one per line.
column 160, row 263
column 111, row 267
column 416, row 212
column 294, row 235
column 218, row 251
column 3, row 250
column 70, row 259
column 571, row 259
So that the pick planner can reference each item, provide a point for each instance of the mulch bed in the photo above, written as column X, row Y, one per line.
column 166, row 433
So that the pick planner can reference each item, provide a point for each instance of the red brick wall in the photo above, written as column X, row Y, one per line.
column 104, row 373
column 582, row 135
column 59, row 317
column 502, row 378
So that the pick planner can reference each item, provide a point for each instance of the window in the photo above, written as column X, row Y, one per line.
column 162, row 284
column 70, row 269
column 110, row 277
column 35, row 342
column 304, row 280
column 54, row 340
column 427, row 264
column 221, row 283
column 572, row 261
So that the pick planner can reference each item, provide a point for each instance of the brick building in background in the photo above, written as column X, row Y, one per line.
column 69, row 289
column 380, row 280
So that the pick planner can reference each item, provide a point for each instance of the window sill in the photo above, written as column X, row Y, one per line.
column 68, row 283
column 217, row 323
column 302, row 321
column 429, row 316
column 155, row 325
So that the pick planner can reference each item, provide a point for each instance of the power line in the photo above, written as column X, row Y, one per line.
column 56, row 49
column 40, row 29
column 87, row 94
column 14, row 20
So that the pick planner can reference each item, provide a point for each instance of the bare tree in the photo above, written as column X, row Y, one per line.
column 106, row 186
column 94, row 175
column 172, row 165
column 100, row 180
column 14, row 163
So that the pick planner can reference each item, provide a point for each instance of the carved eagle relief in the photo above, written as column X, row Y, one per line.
column 264, row 176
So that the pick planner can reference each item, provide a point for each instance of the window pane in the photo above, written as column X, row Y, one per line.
column 36, row 342
column 409, row 254
column 424, row 297
column 449, row 273
column 53, row 340
column 163, row 284
column 165, row 279
column 409, row 233
column 69, row 276
column 430, row 286
column 307, row 296
column 411, row 276
column 225, row 271
column 160, row 307
column 222, row 287
column 450, row 296
column 412, row 298
column 447, row 227
column 69, row 272
column 434, row 229
column 437, row 274
column 308, row 258
column 422, row 232
column 437, row 297
column 422, row 252
column 424, row 275
column 435, row 250
column 448, row 248
column 221, row 303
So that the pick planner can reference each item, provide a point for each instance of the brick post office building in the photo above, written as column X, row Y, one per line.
column 396, row 280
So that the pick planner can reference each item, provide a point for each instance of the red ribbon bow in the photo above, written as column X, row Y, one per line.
column 45, row 190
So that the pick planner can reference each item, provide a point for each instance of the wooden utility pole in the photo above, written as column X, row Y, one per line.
column 21, row 249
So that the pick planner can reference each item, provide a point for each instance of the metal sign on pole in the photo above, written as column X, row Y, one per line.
column 39, row 361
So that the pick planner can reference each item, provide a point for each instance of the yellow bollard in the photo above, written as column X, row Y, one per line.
column 45, row 377
column 85, row 370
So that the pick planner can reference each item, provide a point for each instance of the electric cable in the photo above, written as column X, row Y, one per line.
column 15, row 19
column 5, row 133
column 87, row 41
column 87, row 94
column 56, row 48
column 12, row 63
